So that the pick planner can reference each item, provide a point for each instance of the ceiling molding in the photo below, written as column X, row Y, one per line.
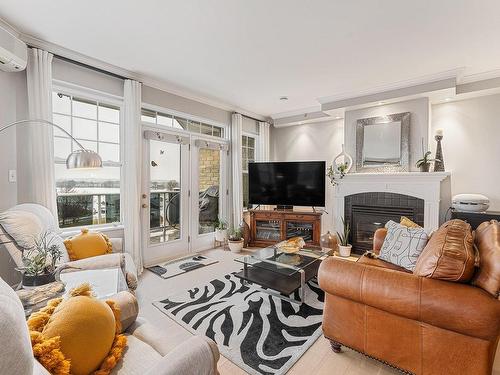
column 486, row 84
column 295, row 112
column 480, row 77
column 9, row 28
column 441, row 76
column 146, row 80
column 391, row 94
column 300, row 119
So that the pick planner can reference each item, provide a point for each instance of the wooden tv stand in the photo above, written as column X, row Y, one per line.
column 270, row 227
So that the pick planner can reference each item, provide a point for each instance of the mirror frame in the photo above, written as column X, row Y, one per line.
column 403, row 164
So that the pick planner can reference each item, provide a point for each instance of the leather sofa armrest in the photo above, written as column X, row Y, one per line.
column 198, row 355
column 389, row 290
column 460, row 307
column 457, row 307
column 378, row 239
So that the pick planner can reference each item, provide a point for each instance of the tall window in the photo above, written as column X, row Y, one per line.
column 248, row 155
column 87, row 197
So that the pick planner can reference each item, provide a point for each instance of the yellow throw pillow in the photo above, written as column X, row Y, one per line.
column 81, row 332
column 87, row 244
column 408, row 223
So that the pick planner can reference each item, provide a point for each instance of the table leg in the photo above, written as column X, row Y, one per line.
column 302, row 285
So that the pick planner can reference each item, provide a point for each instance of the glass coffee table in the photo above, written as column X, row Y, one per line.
column 105, row 282
column 279, row 273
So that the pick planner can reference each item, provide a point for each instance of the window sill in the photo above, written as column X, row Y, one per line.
column 67, row 232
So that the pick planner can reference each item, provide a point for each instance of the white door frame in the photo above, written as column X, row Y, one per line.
column 156, row 253
column 200, row 242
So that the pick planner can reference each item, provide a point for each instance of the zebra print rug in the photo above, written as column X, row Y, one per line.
column 260, row 333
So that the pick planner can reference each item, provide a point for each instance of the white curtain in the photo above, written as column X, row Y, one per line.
column 131, row 181
column 263, row 148
column 236, row 130
column 37, row 159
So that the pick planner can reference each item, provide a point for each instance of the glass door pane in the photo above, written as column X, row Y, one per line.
column 165, row 192
column 208, row 188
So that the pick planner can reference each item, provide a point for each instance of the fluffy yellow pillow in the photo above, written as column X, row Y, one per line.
column 408, row 223
column 77, row 335
column 87, row 244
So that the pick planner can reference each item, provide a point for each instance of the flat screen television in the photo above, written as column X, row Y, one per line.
column 297, row 183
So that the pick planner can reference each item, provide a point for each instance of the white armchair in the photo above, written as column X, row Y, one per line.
column 24, row 220
column 150, row 350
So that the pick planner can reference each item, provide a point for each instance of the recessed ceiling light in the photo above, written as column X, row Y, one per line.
column 283, row 98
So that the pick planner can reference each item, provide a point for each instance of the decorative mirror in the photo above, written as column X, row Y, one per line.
column 382, row 143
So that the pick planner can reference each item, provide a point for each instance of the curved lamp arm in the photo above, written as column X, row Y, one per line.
column 41, row 122
column 83, row 158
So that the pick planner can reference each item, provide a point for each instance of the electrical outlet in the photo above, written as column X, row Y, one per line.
column 12, row 175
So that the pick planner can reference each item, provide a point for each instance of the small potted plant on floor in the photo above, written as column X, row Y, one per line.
column 220, row 230
column 425, row 163
column 344, row 246
column 235, row 241
column 39, row 262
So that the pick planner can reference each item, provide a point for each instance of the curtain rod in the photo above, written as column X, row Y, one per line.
column 99, row 70
column 79, row 63
column 250, row 117
column 103, row 71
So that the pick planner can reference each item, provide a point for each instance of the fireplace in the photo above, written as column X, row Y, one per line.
column 366, row 212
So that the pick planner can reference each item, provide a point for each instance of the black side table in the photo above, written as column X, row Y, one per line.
column 475, row 218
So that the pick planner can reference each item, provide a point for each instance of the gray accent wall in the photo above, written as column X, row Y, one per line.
column 165, row 99
column 13, row 106
column 86, row 77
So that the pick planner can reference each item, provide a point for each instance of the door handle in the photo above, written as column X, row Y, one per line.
column 144, row 205
column 144, row 196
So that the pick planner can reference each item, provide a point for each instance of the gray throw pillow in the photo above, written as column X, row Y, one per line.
column 402, row 245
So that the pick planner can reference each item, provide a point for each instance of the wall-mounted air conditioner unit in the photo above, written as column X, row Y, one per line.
column 13, row 52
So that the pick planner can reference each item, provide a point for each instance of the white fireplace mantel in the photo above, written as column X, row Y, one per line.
column 426, row 186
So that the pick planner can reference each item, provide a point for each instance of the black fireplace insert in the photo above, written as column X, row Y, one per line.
column 366, row 212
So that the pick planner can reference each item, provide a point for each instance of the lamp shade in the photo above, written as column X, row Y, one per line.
column 83, row 159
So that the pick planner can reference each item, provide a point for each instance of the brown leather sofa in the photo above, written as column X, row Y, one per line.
column 417, row 324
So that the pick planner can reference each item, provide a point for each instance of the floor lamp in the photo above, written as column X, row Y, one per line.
column 82, row 158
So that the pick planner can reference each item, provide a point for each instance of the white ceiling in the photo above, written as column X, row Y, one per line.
column 248, row 53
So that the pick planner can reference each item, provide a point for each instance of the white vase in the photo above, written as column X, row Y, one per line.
column 235, row 246
column 343, row 157
column 345, row 251
column 220, row 235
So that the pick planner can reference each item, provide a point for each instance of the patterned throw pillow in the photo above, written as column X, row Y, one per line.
column 402, row 245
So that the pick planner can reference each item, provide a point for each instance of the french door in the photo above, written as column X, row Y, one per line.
column 209, row 190
column 184, row 192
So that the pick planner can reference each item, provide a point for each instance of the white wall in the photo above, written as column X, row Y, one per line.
column 13, row 106
column 471, row 145
column 419, row 125
column 316, row 141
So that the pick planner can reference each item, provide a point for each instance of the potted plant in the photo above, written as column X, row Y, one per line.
column 220, row 230
column 344, row 246
column 425, row 163
column 39, row 262
column 235, row 241
column 339, row 170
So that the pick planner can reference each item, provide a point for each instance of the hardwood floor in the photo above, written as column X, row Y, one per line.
column 318, row 360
